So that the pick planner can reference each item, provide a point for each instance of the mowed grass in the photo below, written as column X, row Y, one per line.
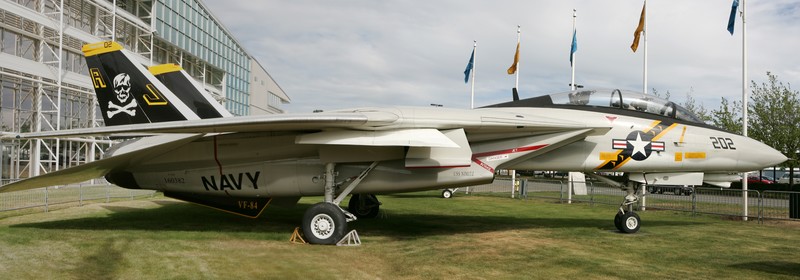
column 419, row 236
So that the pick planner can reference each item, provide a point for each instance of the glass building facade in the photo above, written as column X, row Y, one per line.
column 188, row 25
column 44, row 83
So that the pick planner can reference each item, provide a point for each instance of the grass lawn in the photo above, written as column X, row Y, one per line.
column 418, row 236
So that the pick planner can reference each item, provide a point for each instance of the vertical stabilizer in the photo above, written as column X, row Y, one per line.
column 189, row 91
column 126, row 91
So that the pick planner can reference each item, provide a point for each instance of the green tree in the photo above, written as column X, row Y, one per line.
column 658, row 94
column 728, row 117
column 774, row 114
column 691, row 105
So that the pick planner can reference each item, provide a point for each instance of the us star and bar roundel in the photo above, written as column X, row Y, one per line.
column 638, row 145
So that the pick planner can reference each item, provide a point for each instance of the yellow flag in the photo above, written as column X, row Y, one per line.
column 638, row 31
column 513, row 68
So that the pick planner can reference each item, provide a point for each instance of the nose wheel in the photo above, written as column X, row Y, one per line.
column 627, row 222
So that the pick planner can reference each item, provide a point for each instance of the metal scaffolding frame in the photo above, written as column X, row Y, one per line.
column 40, row 79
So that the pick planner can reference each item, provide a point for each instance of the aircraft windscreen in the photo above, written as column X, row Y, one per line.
column 625, row 100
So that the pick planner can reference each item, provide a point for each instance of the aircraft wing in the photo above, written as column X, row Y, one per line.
column 152, row 146
column 486, row 121
column 293, row 122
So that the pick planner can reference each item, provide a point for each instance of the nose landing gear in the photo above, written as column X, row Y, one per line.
column 627, row 220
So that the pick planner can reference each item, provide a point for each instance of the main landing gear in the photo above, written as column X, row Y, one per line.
column 364, row 205
column 626, row 220
column 326, row 222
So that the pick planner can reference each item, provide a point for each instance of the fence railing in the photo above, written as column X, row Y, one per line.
column 774, row 205
column 77, row 193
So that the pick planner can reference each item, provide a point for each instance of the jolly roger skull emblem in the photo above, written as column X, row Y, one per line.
column 122, row 88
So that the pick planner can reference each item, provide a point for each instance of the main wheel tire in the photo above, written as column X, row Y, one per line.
column 618, row 221
column 324, row 223
column 678, row 191
column 370, row 209
column 651, row 189
column 630, row 222
column 447, row 194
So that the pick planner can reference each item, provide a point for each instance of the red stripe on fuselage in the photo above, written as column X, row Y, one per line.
column 484, row 165
column 502, row 152
column 432, row 166
column 510, row 151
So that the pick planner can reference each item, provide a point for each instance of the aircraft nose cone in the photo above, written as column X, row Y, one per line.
column 773, row 157
column 761, row 156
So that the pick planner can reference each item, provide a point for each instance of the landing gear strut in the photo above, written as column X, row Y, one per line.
column 626, row 220
column 326, row 222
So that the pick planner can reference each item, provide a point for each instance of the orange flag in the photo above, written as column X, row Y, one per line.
column 513, row 68
column 638, row 31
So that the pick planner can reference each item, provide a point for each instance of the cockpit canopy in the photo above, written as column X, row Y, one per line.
column 622, row 99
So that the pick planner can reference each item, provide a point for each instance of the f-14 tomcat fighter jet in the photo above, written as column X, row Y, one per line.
column 240, row 164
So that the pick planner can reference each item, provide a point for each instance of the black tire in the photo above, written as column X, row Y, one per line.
column 324, row 223
column 651, row 189
column 678, row 191
column 371, row 207
column 630, row 222
column 618, row 221
column 447, row 194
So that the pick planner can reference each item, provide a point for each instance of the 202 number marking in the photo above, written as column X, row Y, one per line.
column 722, row 143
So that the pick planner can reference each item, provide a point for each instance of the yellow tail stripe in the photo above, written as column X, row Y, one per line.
column 164, row 68
column 100, row 48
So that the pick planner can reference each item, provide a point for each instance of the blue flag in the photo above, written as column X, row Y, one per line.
column 469, row 66
column 574, row 46
column 732, row 19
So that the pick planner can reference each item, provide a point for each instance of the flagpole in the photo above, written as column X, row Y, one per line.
column 472, row 91
column 644, row 66
column 643, row 206
column 516, row 80
column 745, row 89
column 516, row 87
column 574, row 17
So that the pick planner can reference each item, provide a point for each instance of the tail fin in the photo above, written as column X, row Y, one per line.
column 126, row 91
column 188, row 91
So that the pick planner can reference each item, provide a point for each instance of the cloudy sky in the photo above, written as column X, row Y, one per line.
column 342, row 54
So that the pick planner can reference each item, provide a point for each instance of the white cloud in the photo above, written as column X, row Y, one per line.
column 338, row 54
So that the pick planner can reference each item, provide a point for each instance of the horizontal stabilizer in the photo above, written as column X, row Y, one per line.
column 250, row 207
column 101, row 167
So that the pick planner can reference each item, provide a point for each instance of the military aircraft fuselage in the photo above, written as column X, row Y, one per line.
column 571, row 137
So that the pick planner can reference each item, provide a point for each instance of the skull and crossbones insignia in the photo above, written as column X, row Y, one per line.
column 127, row 104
